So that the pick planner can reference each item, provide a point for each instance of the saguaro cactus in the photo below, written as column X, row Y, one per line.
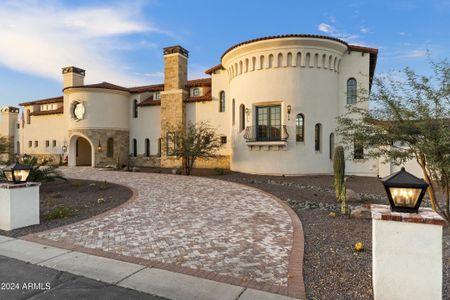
column 339, row 171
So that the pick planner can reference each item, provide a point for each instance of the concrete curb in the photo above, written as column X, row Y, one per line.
column 149, row 280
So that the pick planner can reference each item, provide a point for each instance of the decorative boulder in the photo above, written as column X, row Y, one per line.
column 352, row 195
column 361, row 213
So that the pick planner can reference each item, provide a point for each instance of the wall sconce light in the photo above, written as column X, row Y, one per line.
column 99, row 147
column 289, row 109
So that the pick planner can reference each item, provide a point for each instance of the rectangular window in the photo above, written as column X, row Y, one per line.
column 358, row 150
column 30, row 144
column 157, row 96
column 223, row 139
column 268, row 123
column 36, row 143
column 196, row 92
column 54, row 143
column 47, row 144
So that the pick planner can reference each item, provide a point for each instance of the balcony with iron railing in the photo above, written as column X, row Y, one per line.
column 266, row 135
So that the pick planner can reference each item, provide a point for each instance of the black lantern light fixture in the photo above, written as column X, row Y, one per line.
column 405, row 191
column 17, row 173
column 289, row 109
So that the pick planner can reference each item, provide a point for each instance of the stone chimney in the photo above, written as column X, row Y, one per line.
column 172, row 100
column 73, row 76
column 175, row 68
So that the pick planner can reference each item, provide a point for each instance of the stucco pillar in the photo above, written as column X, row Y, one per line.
column 407, row 254
column 19, row 205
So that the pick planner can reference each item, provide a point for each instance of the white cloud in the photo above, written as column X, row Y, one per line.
column 41, row 37
column 348, row 37
column 416, row 54
column 364, row 29
column 325, row 28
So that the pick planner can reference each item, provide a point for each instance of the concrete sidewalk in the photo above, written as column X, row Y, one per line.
column 152, row 281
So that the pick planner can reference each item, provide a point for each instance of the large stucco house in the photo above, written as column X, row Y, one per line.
column 273, row 100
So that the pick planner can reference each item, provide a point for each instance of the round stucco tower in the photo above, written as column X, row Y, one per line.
column 286, row 93
column 97, row 122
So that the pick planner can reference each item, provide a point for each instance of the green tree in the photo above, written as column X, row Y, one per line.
column 408, row 118
column 198, row 140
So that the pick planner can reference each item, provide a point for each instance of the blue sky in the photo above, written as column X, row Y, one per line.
column 121, row 41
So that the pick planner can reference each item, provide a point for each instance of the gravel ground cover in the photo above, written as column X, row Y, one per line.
column 332, row 269
column 65, row 202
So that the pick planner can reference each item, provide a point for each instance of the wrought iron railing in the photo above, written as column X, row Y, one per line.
column 266, row 133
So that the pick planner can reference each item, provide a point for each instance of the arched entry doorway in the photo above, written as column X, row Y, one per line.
column 80, row 151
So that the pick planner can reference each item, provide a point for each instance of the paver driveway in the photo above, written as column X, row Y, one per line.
column 204, row 227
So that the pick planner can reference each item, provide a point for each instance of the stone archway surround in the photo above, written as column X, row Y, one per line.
column 101, row 136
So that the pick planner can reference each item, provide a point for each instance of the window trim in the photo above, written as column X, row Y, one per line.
column 352, row 90
column 297, row 126
column 318, row 137
column 222, row 101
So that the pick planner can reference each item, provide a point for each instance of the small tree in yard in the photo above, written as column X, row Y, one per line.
column 198, row 140
column 409, row 119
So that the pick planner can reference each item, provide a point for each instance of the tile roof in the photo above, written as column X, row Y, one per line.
column 48, row 112
column 146, row 88
column 214, row 69
column 102, row 85
column 199, row 82
column 43, row 101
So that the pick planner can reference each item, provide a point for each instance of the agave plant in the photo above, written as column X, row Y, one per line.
column 40, row 172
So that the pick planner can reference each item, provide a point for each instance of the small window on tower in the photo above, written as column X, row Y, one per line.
column 30, row 144
column 196, row 92
column 157, row 96
column 54, row 143
column 47, row 144
column 223, row 139
column 36, row 143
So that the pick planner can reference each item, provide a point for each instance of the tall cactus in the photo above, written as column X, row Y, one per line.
column 339, row 178
column 339, row 171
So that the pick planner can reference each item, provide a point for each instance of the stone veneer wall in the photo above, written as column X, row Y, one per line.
column 173, row 113
column 8, row 155
column 121, row 145
column 146, row 161
column 222, row 161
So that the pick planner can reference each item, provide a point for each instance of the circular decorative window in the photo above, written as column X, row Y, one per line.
column 78, row 110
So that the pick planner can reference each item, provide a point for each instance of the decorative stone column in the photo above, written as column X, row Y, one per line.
column 172, row 99
column 19, row 205
column 407, row 254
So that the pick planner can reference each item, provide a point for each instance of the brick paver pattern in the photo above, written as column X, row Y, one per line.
column 193, row 222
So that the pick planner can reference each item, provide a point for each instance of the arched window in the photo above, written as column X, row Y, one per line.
column 222, row 101
column 233, row 111
column 18, row 148
column 331, row 145
column 134, row 147
column 298, row 62
column 135, row 108
column 246, row 65
column 300, row 128
column 253, row 63
column 147, row 147
column 110, row 147
column 159, row 147
column 261, row 62
column 317, row 135
column 351, row 91
column 241, row 117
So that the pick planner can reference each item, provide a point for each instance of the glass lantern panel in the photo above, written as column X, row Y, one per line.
column 8, row 175
column 21, row 175
column 405, row 197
